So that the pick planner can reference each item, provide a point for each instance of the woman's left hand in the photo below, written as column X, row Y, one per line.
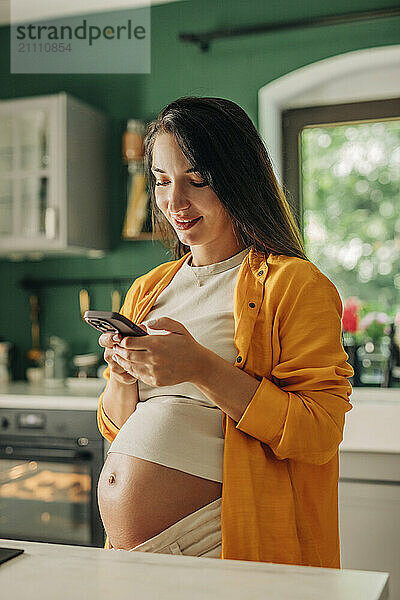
column 160, row 360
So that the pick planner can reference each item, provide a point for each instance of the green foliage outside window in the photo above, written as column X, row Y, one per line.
column 351, row 209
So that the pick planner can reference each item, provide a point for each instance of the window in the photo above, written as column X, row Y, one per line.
column 341, row 168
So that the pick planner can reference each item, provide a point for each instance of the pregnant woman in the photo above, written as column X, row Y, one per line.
column 225, row 420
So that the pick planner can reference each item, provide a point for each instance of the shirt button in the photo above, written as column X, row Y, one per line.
column 239, row 359
column 251, row 304
column 260, row 273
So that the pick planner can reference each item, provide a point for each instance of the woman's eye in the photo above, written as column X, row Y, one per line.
column 196, row 184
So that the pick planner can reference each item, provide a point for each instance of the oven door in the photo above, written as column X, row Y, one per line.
column 49, row 494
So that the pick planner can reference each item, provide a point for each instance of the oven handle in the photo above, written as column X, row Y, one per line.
column 12, row 451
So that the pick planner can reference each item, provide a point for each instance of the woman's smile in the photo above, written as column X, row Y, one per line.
column 185, row 224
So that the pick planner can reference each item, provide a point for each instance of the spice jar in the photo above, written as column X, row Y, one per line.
column 85, row 365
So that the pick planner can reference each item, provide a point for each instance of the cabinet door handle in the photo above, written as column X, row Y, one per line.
column 51, row 222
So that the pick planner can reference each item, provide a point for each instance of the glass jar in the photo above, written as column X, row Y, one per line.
column 85, row 365
column 373, row 356
column 349, row 346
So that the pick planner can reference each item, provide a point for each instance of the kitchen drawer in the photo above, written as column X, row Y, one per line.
column 374, row 466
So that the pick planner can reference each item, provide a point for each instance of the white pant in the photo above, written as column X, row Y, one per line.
column 197, row 534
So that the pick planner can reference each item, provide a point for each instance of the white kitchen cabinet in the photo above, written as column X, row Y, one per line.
column 54, row 190
column 369, row 514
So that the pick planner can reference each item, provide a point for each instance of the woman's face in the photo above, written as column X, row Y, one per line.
column 181, row 193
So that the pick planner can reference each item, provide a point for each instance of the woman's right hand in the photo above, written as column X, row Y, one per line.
column 118, row 373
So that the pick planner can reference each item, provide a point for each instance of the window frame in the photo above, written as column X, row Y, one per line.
column 294, row 120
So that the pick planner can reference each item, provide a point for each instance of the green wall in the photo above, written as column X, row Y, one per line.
column 234, row 68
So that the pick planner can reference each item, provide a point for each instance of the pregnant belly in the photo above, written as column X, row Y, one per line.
column 138, row 498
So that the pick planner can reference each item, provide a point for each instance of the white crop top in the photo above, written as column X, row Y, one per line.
column 177, row 426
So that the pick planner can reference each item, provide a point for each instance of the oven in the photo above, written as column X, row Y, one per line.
column 50, row 462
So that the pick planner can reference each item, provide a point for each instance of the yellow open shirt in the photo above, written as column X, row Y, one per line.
column 281, row 460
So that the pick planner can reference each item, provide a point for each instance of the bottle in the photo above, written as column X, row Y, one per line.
column 133, row 141
column 55, row 366
column 137, row 189
column 5, row 372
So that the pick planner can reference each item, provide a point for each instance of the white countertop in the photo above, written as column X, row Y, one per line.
column 373, row 424
column 24, row 395
column 58, row 572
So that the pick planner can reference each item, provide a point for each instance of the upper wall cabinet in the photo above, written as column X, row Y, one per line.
column 54, row 186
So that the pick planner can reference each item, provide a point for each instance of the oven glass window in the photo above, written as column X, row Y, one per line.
column 45, row 501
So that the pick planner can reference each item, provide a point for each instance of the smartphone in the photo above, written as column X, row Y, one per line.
column 112, row 322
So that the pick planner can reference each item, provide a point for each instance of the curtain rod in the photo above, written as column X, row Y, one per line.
column 204, row 39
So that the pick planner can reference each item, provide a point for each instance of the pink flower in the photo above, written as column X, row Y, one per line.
column 381, row 318
column 367, row 320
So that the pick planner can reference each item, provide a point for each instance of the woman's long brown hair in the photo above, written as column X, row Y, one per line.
column 221, row 141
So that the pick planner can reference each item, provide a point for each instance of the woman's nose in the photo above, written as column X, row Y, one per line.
column 177, row 200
